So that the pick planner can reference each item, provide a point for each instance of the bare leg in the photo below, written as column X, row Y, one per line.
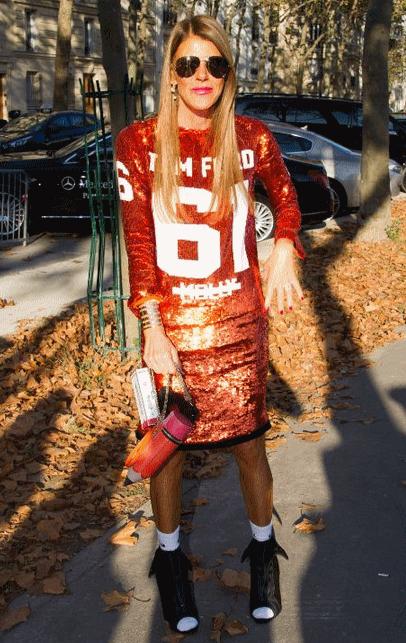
column 166, row 493
column 255, row 480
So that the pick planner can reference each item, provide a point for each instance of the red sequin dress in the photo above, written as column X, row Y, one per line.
column 205, row 272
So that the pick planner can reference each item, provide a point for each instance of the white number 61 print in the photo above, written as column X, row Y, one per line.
column 168, row 235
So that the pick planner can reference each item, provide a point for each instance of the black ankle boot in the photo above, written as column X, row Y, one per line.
column 171, row 569
column 265, row 590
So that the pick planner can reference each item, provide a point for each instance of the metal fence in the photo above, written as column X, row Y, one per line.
column 104, row 290
column 13, row 207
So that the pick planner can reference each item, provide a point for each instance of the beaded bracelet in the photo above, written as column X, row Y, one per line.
column 150, row 315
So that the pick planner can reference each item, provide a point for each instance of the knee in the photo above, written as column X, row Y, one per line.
column 250, row 454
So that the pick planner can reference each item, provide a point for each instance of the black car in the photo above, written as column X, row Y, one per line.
column 44, row 131
column 336, row 118
column 58, row 188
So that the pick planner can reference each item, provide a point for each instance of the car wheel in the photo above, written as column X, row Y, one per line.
column 264, row 218
column 12, row 213
column 339, row 198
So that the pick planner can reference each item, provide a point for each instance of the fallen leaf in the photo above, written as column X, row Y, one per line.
column 25, row 579
column 217, row 624
column 199, row 502
column 50, row 529
column 308, row 526
column 233, row 627
column 145, row 523
column 54, row 584
column 195, row 560
column 126, row 535
column 115, row 600
column 308, row 436
column 276, row 442
column 200, row 574
column 13, row 617
column 238, row 581
column 90, row 534
column 232, row 551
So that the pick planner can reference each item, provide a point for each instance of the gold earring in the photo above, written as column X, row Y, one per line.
column 174, row 88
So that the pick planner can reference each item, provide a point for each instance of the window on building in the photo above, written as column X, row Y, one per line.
column 30, row 30
column 89, row 39
column 33, row 84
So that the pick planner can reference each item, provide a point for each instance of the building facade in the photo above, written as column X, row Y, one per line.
column 27, row 53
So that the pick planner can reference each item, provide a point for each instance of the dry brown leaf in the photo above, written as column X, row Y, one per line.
column 200, row 574
column 50, row 529
column 126, row 535
column 25, row 579
column 54, row 584
column 90, row 534
column 195, row 560
column 116, row 600
column 13, row 617
column 145, row 523
column 217, row 624
column 276, row 442
column 199, row 502
column 308, row 436
column 231, row 551
column 238, row 581
column 233, row 627
column 309, row 526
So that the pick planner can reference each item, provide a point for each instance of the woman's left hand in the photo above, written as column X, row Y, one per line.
column 280, row 278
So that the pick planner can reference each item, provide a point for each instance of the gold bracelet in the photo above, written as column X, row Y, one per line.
column 150, row 315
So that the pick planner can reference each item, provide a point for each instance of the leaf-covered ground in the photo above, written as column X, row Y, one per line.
column 67, row 414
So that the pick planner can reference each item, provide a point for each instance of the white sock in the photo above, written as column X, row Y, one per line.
column 168, row 542
column 261, row 533
column 263, row 612
column 186, row 624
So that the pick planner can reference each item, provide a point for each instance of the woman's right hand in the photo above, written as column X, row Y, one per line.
column 159, row 353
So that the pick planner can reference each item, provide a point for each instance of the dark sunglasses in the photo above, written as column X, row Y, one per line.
column 217, row 66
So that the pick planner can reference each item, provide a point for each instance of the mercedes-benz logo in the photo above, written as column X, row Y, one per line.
column 68, row 183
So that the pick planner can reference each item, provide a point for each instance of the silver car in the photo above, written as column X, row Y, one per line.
column 343, row 166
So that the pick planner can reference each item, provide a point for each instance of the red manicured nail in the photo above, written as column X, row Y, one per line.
column 281, row 312
column 290, row 307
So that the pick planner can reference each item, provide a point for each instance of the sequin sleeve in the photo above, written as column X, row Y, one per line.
column 135, row 197
column 272, row 172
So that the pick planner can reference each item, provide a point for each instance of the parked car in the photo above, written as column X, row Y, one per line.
column 343, row 166
column 44, row 131
column 59, row 181
column 338, row 119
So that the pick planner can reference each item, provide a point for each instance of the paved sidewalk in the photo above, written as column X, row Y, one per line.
column 347, row 583
column 43, row 278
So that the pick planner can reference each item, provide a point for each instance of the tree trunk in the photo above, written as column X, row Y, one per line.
column 115, row 66
column 263, row 57
column 62, row 57
column 374, row 215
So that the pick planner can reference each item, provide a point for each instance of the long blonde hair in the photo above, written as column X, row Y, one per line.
column 224, row 146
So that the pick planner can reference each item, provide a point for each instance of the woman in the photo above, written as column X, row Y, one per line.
column 186, row 181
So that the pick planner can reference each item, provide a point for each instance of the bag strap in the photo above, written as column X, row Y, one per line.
column 167, row 386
